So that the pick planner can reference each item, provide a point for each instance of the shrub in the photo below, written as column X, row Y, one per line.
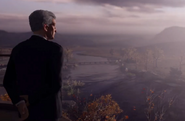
column 174, row 72
column 157, row 105
column 103, row 108
column 5, row 97
column 72, row 87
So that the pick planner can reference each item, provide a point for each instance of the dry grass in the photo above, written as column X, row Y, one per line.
column 157, row 105
column 72, row 87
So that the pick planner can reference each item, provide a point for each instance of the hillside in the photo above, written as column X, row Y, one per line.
column 171, row 40
column 171, row 34
column 9, row 39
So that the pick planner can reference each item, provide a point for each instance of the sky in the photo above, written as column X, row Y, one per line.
column 97, row 16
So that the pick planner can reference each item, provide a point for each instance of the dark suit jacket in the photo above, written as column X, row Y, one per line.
column 34, row 69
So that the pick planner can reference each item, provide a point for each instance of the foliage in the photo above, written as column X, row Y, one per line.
column 157, row 54
column 67, row 67
column 131, row 74
column 68, row 54
column 150, row 56
column 127, row 54
column 137, row 58
column 74, row 83
column 103, row 108
column 5, row 97
column 92, row 109
column 147, row 58
column 157, row 105
column 65, row 115
column 175, row 72
column 112, row 52
column 72, row 87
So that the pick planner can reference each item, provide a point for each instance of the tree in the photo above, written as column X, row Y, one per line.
column 157, row 54
column 158, row 104
column 112, row 52
column 147, row 58
column 181, row 59
column 127, row 53
column 68, row 53
column 137, row 58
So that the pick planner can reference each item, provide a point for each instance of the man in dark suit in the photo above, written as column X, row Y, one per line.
column 33, row 76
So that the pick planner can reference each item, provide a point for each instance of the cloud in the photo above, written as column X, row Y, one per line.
column 53, row 1
column 146, row 6
column 139, row 3
column 12, row 18
column 144, row 9
column 14, row 22
column 128, row 5
column 111, row 19
column 80, row 20
column 104, row 20
column 114, row 12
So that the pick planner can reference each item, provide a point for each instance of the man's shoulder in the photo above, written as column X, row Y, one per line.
column 19, row 45
column 55, row 46
column 46, row 44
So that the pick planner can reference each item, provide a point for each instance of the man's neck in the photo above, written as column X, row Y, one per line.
column 40, row 34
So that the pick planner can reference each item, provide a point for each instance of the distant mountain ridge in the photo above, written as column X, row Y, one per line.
column 9, row 39
column 165, row 37
column 170, row 34
column 3, row 32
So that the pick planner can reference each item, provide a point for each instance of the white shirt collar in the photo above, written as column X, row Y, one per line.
column 40, row 36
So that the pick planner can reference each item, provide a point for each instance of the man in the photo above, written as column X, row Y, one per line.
column 33, row 75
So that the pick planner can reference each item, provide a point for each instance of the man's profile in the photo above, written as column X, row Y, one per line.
column 33, row 75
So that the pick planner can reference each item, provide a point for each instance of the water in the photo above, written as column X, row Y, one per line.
column 82, row 58
column 86, row 73
column 93, row 72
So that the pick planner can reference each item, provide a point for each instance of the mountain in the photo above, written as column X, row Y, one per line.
column 2, row 32
column 171, row 34
column 10, row 39
column 171, row 40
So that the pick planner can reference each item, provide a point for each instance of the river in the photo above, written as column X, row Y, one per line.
column 93, row 72
column 107, row 79
column 85, row 73
column 96, row 72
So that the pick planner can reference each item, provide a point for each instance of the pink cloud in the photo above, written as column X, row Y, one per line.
column 53, row 1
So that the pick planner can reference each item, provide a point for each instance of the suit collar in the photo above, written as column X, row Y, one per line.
column 36, row 37
column 39, row 36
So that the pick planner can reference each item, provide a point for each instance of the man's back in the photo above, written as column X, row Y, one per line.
column 37, row 66
column 33, row 58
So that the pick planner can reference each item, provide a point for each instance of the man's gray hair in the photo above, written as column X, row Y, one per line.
column 40, row 17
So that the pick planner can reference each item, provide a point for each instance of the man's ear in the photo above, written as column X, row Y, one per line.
column 45, row 27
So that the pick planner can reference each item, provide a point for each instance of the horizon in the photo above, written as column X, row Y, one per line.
column 103, row 34
column 96, row 16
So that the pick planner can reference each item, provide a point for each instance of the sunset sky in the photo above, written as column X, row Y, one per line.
column 97, row 16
